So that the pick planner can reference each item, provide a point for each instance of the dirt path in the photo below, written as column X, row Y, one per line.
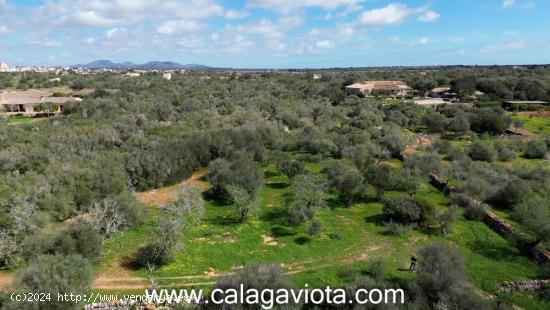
column 116, row 276
column 535, row 113
column 164, row 195
column 6, row 279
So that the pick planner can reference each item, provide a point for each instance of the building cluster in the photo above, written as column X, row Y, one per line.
column 167, row 74
column 369, row 88
column 32, row 102
column 4, row 67
column 432, row 98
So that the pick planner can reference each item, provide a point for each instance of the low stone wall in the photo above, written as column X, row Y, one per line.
column 499, row 225
column 523, row 285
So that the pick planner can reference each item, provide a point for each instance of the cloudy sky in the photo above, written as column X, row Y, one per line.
column 276, row 33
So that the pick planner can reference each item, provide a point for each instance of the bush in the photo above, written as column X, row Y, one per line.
column 535, row 149
column 440, row 271
column 347, row 181
column 492, row 121
column 396, row 229
column 511, row 193
column 505, row 152
column 153, row 253
column 475, row 212
column 314, row 228
column 482, row 151
column 290, row 168
column 79, row 239
column 255, row 276
column 376, row 269
column 244, row 173
column 56, row 275
column 402, row 209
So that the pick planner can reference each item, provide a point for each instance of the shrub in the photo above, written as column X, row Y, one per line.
column 396, row 229
column 475, row 212
column 482, row 151
column 402, row 209
column 376, row 269
column 488, row 120
column 255, row 276
column 244, row 173
column 314, row 228
column 290, row 168
column 79, row 239
column 153, row 253
column 347, row 181
column 440, row 271
column 505, row 152
column 511, row 193
column 56, row 274
column 535, row 149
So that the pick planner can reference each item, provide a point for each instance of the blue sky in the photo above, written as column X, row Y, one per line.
column 276, row 33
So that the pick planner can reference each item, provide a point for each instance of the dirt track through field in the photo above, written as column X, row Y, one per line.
column 165, row 195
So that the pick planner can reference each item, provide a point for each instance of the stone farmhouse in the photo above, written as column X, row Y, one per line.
column 27, row 102
column 368, row 88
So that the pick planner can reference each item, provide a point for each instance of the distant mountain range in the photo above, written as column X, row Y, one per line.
column 159, row 65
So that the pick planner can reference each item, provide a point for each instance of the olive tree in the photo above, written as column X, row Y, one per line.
column 347, row 181
column 534, row 214
column 380, row 178
column 245, row 203
column 56, row 275
column 188, row 202
column 307, row 195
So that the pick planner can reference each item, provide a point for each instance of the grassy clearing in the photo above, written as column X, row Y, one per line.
column 352, row 237
column 537, row 125
column 18, row 119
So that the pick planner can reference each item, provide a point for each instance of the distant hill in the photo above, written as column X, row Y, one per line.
column 159, row 65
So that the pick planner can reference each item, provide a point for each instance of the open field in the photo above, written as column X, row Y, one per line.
column 535, row 124
column 352, row 238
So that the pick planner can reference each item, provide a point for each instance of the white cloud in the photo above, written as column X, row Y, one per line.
column 178, row 26
column 394, row 14
column 424, row 41
column 429, row 16
column 394, row 40
column 87, row 19
column 101, row 13
column 503, row 47
column 508, row 4
column 325, row 44
column 114, row 32
column 4, row 30
column 45, row 42
column 233, row 14
column 287, row 6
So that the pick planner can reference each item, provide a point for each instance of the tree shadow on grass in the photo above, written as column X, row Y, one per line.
column 223, row 220
column 270, row 174
column 277, row 185
column 130, row 261
column 302, row 240
column 281, row 231
column 275, row 216
column 377, row 219
column 215, row 200
column 494, row 251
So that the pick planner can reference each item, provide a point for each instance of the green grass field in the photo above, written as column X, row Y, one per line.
column 16, row 119
column 537, row 125
column 352, row 237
